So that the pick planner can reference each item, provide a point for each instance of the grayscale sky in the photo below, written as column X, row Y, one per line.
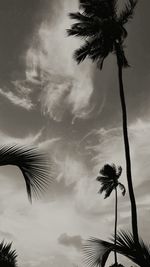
column 73, row 113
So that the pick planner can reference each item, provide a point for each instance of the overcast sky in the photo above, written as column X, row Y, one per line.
column 73, row 113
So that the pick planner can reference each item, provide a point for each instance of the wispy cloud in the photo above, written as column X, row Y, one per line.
column 110, row 148
column 30, row 139
column 16, row 100
column 19, row 94
column 66, row 87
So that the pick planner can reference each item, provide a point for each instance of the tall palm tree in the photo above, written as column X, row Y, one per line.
column 103, row 30
column 7, row 255
column 34, row 166
column 109, row 176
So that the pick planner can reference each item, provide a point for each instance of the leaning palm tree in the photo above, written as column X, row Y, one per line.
column 97, row 251
column 103, row 30
column 7, row 255
column 34, row 166
column 109, row 176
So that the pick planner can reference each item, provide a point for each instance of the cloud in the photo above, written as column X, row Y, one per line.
column 110, row 148
column 65, row 87
column 20, row 94
column 23, row 101
column 70, row 241
column 30, row 139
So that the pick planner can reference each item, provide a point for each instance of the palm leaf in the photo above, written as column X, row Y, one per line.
column 123, row 189
column 85, row 29
column 80, row 17
column 83, row 52
column 32, row 163
column 96, row 251
column 7, row 255
column 109, row 170
column 119, row 171
column 100, row 8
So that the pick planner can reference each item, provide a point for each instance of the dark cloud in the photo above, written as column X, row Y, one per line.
column 70, row 241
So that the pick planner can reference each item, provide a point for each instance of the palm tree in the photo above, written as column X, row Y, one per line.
column 103, row 30
column 109, row 176
column 34, row 166
column 7, row 256
column 97, row 251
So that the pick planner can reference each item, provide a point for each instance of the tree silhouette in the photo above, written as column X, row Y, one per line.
column 109, row 176
column 103, row 30
column 7, row 256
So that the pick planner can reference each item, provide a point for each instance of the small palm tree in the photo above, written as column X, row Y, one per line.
column 109, row 179
column 102, row 28
column 7, row 256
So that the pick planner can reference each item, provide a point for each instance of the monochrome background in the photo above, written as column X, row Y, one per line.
column 73, row 113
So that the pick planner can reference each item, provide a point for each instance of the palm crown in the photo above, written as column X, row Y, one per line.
column 109, row 176
column 7, row 256
column 102, row 28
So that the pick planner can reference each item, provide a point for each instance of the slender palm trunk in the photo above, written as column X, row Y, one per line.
column 127, row 153
column 115, row 230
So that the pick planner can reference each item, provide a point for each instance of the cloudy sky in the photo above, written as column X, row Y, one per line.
column 73, row 113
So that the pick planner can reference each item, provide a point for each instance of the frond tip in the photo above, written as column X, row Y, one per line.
column 7, row 255
column 33, row 164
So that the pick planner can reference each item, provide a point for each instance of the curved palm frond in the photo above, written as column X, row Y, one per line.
column 119, row 171
column 83, row 52
column 122, row 188
column 33, row 164
column 97, row 251
column 7, row 255
column 85, row 29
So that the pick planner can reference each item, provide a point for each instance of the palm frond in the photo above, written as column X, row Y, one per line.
column 109, row 170
column 127, row 12
column 96, row 251
column 83, row 52
column 107, row 187
column 99, row 49
column 109, row 190
column 99, row 8
column 119, row 171
column 7, row 255
column 85, row 29
column 80, row 17
column 34, row 165
column 123, row 189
